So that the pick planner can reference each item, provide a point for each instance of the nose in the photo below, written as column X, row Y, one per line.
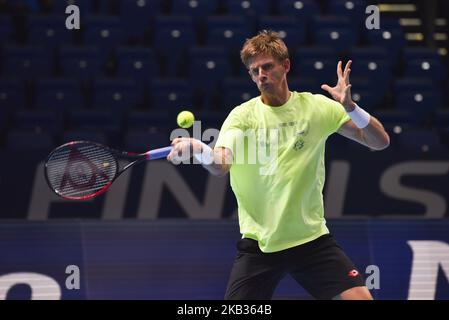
column 261, row 74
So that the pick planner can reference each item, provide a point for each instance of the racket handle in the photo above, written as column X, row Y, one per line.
column 158, row 153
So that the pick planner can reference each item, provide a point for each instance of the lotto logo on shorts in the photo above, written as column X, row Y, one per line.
column 353, row 273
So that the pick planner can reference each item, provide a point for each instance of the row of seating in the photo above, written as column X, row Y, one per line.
column 166, row 33
column 145, row 8
column 56, row 122
column 121, row 94
column 426, row 141
column 143, row 62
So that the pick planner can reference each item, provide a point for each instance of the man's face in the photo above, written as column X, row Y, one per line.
column 268, row 73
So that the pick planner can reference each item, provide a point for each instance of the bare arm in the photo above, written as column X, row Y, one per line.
column 373, row 135
column 185, row 148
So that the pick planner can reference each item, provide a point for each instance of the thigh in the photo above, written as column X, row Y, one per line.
column 324, row 270
column 254, row 275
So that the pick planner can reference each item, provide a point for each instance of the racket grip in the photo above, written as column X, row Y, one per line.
column 158, row 153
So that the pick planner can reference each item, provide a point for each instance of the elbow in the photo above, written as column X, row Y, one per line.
column 221, row 174
column 221, row 171
column 383, row 144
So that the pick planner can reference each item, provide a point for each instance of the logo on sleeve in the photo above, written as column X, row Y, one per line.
column 353, row 273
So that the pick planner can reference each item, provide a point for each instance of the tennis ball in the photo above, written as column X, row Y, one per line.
column 185, row 119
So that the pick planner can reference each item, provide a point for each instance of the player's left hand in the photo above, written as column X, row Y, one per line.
column 341, row 92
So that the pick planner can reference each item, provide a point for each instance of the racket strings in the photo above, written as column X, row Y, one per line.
column 81, row 170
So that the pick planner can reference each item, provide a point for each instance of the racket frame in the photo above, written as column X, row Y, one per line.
column 117, row 155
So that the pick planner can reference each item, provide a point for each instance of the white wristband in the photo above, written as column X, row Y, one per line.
column 206, row 156
column 360, row 117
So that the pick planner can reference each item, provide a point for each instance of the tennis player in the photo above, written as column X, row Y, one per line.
column 281, row 212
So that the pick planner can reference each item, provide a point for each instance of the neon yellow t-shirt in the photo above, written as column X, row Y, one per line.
column 278, row 170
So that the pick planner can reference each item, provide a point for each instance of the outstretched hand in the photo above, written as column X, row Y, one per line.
column 341, row 92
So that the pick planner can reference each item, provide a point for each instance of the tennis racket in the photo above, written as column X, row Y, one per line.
column 81, row 170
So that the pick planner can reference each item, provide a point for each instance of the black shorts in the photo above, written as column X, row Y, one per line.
column 320, row 267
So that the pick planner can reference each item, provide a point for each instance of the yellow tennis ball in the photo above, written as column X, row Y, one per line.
column 185, row 119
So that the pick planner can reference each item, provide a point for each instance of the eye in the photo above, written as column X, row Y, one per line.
column 267, row 66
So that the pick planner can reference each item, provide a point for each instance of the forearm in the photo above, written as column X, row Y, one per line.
column 374, row 135
column 366, row 128
column 218, row 167
column 217, row 161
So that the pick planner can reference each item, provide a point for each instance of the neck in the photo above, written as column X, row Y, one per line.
column 278, row 98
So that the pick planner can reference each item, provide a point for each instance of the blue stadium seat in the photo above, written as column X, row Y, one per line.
column 422, row 102
column 425, row 69
column 238, row 90
column 59, row 94
column 229, row 31
column 94, row 120
column 304, row 84
column 38, row 121
column 303, row 9
column 367, row 93
column 27, row 62
column 136, row 16
column 6, row 28
column 173, row 36
column 85, row 6
column 12, row 94
column 380, row 72
column 105, row 32
column 370, row 52
column 423, row 53
column 22, row 140
column 412, row 84
column 194, row 8
column 170, row 94
column 393, row 117
column 374, row 64
column 441, row 118
column 291, row 29
column 86, row 135
column 366, row 98
column 5, row 118
column 335, row 31
column 208, row 67
column 108, row 7
column 116, row 95
column 319, row 62
column 353, row 9
column 211, row 119
column 313, row 52
column 248, row 7
column 141, row 141
column 339, row 38
column 137, row 63
column 425, row 141
column 424, row 62
column 418, row 95
column 48, row 30
column 81, row 62
column 154, row 121
column 390, row 36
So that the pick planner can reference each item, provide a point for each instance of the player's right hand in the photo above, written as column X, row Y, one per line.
column 183, row 149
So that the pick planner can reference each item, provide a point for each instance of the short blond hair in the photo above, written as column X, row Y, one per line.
column 266, row 42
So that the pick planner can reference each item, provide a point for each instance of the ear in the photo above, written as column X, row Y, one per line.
column 286, row 65
column 251, row 76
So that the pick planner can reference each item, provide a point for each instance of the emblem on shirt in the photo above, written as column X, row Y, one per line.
column 299, row 144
